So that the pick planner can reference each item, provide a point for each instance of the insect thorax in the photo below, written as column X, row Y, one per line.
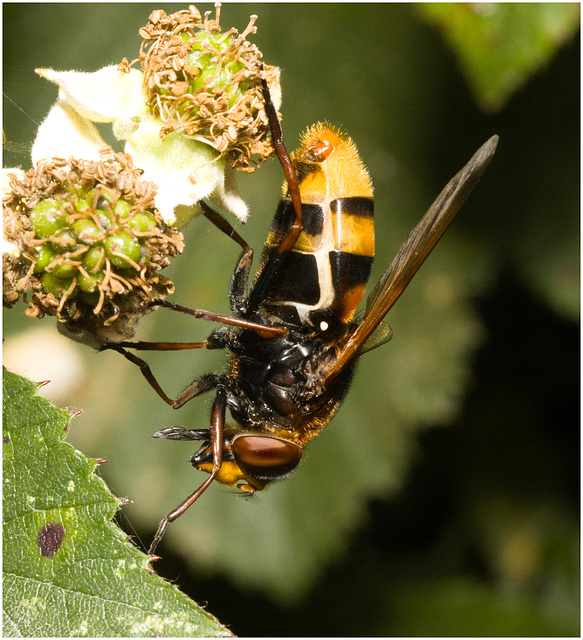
column 278, row 383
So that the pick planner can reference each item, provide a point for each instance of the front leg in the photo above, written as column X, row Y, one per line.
column 263, row 330
column 238, row 290
column 202, row 384
column 217, row 440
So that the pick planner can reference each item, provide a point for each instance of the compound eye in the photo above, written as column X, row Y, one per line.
column 266, row 457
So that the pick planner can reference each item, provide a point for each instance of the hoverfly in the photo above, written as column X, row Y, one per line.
column 294, row 339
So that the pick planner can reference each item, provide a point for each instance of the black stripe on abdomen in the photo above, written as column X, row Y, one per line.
column 355, row 206
column 312, row 218
column 349, row 270
column 296, row 281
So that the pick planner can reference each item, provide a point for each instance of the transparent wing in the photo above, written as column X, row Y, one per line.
column 413, row 253
column 381, row 335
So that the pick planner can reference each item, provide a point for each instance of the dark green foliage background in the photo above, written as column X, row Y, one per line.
column 444, row 498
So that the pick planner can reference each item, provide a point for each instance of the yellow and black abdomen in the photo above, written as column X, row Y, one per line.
column 324, row 275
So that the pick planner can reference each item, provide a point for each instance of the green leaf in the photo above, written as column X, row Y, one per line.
column 500, row 45
column 67, row 569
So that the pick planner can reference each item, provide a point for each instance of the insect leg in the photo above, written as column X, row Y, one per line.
column 240, row 281
column 161, row 346
column 288, row 169
column 200, row 385
column 216, row 431
column 276, row 256
column 265, row 331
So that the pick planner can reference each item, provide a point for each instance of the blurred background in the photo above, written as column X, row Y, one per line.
column 444, row 497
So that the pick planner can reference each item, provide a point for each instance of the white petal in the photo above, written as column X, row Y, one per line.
column 104, row 95
column 228, row 197
column 17, row 172
column 185, row 171
column 64, row 133
column 274, row 81
column 10, row 248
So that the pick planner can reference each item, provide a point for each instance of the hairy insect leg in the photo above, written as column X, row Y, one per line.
column 216, row 432
column 160, row 346
column 277, row 253
column 288, row 169
column 204, row 383
column 265, row 331
column 240, row 282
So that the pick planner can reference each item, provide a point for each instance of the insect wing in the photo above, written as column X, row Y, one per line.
column 381, row 335
column 414, row 251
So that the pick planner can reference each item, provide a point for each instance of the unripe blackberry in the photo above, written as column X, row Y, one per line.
column 207, row 84
column 90, row 244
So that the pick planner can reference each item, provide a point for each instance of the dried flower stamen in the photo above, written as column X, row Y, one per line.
column 206, row 84
column 91, row 244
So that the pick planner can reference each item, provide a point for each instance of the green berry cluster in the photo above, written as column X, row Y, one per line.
column 86, row 245
column 207, row 51
column 86, row 238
